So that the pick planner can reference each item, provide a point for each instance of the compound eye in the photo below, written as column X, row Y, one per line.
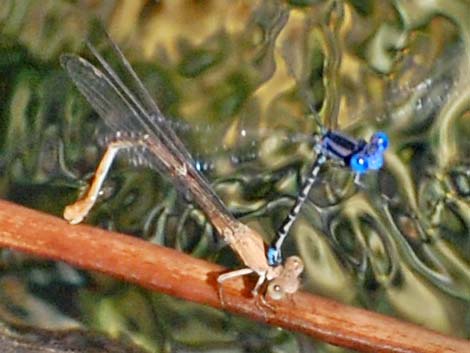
column 380, row 139
column 295, row 263
column 275, row 291
column 358, row 164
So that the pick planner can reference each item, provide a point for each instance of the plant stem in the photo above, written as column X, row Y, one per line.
column 174, row 273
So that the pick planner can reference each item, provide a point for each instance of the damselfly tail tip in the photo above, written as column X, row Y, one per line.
column 76, row 212
column 71, row 216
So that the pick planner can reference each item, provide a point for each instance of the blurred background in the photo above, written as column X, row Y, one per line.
column 236, row 79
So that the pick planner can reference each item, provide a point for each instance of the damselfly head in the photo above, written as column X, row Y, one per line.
column 371, row 156
column 288, row 282
column 375, row 150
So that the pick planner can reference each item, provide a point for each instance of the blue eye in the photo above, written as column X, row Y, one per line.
column 358, row 164
column 375, row 161
column 380, row 139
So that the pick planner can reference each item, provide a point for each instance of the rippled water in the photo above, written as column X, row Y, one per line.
column 239, row 76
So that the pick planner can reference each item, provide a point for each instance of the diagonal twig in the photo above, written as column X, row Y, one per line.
column 180, row 275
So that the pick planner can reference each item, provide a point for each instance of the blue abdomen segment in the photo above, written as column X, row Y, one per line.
column 274, row 256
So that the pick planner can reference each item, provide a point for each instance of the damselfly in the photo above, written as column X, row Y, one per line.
column 138, row 124
column 356, row 154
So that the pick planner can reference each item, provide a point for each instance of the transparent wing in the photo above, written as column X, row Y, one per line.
column 138, row 95
column 122, row 111
column 100, row 93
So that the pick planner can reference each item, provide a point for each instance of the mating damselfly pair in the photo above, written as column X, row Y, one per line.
column 138, row 124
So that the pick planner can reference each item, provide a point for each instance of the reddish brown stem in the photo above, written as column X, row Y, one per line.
column 175, row 273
